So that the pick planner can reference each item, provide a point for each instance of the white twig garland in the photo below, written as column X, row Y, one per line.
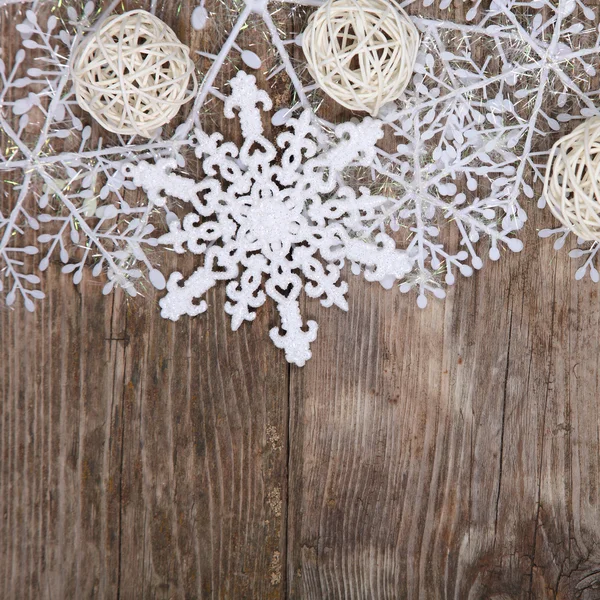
column 361, row 52
column 133, row 74
column 571, row 185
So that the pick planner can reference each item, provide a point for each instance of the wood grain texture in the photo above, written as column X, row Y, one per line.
column 445, row 453
column 140, row 458
column 451, row 452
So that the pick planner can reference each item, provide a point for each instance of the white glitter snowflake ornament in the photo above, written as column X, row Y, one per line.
column 490, row 94
column 260, row 216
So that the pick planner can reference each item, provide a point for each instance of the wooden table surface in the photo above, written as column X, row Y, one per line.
column 451, row 452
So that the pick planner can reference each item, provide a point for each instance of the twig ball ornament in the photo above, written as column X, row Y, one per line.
column 361, row 52
column 132, row 75
column 572, row 182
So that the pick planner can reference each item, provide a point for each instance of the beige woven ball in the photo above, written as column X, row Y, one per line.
column 572, row 182
column 132, row 75
column 361, row 52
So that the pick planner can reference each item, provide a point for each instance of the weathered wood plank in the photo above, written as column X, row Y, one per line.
column 60, row 439
column 444, row 453
column 451, row 452
column 204, row 458
column 141, row 457
column 139, row 454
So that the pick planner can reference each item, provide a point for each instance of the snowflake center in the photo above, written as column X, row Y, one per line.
column 270, row 223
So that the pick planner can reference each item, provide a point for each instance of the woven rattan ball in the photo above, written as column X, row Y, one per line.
column 361, row 52
column 132, row 75
column 572, row 183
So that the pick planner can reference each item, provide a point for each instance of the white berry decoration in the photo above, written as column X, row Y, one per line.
column 133, row 74
column 361, row 52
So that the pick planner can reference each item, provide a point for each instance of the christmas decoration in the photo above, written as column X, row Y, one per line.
column 472, row 133
column 361, row 52
column 258, row 217
column 132, row 75
column 571, row 186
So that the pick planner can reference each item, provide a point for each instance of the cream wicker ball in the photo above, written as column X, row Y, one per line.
column 572, row 182
column 361, row 52
column 132, row 75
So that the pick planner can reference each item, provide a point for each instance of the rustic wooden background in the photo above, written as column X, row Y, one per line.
column 451, row 452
